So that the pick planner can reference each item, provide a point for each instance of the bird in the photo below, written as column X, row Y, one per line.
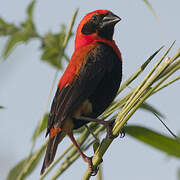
column 89, row 83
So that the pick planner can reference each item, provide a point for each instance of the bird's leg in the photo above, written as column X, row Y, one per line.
column 107, row 124
column 85, row 158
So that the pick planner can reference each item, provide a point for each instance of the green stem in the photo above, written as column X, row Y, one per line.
column 65, row 165
column 73, row 155
column 167, row 84
column 138, row 72
column 100, row 173
column 144, row 91
column 148, row 75
column 143, row 88
column 66, row 39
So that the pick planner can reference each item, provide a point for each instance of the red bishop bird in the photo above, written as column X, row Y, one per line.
column 89, row 83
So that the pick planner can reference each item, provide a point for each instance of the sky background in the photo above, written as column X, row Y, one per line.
column 25, row 82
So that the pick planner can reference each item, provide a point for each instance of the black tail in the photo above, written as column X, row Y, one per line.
column 51, row 150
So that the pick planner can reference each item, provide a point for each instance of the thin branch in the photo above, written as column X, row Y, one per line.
column 140, row 94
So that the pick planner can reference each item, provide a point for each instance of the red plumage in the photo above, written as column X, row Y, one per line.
column 89, row 83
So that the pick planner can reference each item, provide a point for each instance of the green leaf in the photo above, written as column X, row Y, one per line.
column 1, row 107
column 22, row 34
column 29, row 24
column 6, row 28
column 39, row 130
column 53, row 50
column 30, row 9
column 151, row 8
column 69, row 32
column 138, row 71
column 155, row 139
column 54, row 44
column 156, row 17
column 26, row 166
column 14, row 172
column 19, row 36
column 150, row 108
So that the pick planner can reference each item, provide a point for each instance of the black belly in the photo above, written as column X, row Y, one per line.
column 105, row 92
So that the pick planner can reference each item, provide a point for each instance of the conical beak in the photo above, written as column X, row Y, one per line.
column 110, row 19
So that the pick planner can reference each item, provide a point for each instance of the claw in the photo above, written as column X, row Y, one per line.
column 93, row 169
column 122, row 133
column 109, row 127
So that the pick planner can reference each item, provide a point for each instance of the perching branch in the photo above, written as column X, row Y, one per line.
column 146, row 88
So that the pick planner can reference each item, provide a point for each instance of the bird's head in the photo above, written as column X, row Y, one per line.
column 96, row 25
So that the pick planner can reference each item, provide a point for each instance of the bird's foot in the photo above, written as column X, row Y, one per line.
column 109, row 127
column 92, row 168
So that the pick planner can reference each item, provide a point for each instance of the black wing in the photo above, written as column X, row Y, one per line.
column 99, row 61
